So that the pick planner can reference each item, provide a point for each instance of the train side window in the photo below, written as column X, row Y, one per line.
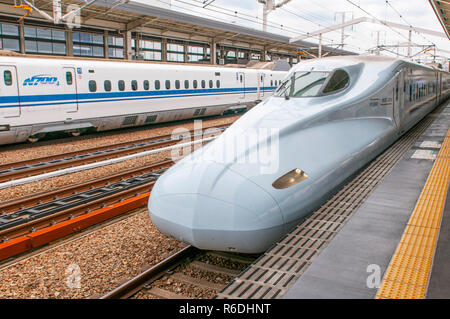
column 146, row 85
column 240, row 78
column 177, row 84
column 186, row 84
column 203, row 84
column 168, row 84
column 69, row 79
column 210, row 84
column 121, row 85
column 338, row 81
column 7, row 77
column 218, row 83
column 92, row 86
column 195, row 84
column 157, row 85
column 107, row 85
column 134, row 85
column 271, row 82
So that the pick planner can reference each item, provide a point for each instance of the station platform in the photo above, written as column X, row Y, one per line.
column 381, row 236
column 387, row 249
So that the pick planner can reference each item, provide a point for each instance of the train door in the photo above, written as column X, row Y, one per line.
column 70, row 84
column 241, row 84
column 9, row 92
column 262, row 77
column 397, row 98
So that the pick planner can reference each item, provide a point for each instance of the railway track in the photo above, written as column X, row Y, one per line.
column 31, row 213
column 189, row 273
column 16, row 170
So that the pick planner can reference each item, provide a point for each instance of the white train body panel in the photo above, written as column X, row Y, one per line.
column 39, row 95
column 226, row 203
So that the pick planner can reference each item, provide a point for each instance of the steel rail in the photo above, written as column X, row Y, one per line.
column 12, row 171
column 152, row 273
column 46, row 209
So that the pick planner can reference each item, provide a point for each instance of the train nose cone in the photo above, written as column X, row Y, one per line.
column 212, row 207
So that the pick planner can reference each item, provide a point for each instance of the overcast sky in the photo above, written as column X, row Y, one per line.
column 300, row 16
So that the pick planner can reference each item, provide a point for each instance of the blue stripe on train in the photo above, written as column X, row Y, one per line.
column 118, row 96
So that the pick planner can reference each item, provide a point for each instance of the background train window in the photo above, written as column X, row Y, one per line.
column 107, row 85
column 92, row 86
column 146, row 85
column 7, row 77
column 121, row 85
column 195, row 84
column 210, row 84
column 177, row 84
column 157, row 85
column 203, row 84
column 69, row 79
column 338, row 81
column 134, row 85
column 218, row 83
column 186, row 84
column 168, row 84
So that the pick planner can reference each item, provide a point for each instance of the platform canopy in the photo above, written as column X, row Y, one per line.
column 442, row 10
column 122, row 15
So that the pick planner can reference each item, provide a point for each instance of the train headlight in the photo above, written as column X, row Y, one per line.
column 289, row 179
column 4, row 127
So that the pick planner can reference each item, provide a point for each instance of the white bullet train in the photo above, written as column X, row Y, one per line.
column 42, row 95
column 327, row 119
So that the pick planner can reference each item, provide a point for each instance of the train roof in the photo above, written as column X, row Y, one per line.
column 5, row 54
column 328, row 64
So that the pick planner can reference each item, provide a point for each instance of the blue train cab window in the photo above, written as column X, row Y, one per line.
column 157, row 85
column 203, row 84
column 107, row 85
column 121, row 85
column 218, row 83
column 177, row 84
column 210, row 84
column 7, row 77
column 168, row 84
column 134, row 85
column 69, row 78
column 146, row 85
column 92, row 86
column 186, row 84
column 195, row 84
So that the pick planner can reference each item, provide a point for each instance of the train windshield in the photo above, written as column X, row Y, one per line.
column 310, row 84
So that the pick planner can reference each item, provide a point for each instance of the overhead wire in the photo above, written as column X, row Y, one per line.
column 252, row 19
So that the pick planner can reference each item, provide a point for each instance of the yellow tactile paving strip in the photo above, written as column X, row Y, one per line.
column 409, row 271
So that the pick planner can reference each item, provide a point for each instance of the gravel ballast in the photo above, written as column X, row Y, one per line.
column 103, row 259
